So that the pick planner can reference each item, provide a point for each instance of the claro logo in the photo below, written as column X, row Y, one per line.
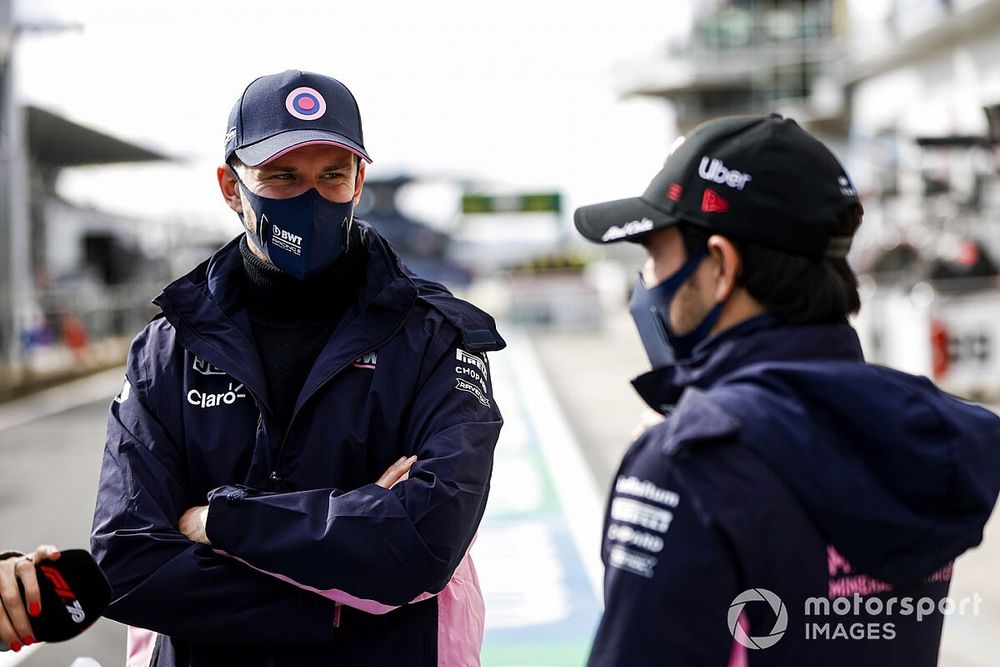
column 203, row 399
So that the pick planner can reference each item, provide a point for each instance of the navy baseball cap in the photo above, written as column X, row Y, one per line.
column 760, row 179
column 278, row 113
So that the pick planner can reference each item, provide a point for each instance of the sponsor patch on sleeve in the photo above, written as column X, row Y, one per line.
column 471, row 375
column 638, row 520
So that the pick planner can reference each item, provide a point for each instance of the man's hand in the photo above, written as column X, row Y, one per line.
column 396, row 473
column 15, row 629
column 193, row 524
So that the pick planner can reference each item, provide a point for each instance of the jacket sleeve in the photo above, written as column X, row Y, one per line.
column 161, row 580
column 375, row 548
column 666, row 592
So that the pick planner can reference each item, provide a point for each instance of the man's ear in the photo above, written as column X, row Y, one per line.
column 728, row 263
column 230, row 187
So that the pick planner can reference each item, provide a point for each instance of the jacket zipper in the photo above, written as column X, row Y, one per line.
column 274, row 476
column 260, row 405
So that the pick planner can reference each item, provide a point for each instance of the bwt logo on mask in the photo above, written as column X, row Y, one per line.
column 282, row 235
column 285, row 240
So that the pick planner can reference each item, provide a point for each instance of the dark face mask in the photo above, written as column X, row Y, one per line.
column 302, row 235
column 650, row 309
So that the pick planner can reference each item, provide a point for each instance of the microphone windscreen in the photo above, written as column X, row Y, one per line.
column 74, row 594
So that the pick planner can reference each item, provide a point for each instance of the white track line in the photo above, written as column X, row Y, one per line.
column 575, row 486
column 63, row 397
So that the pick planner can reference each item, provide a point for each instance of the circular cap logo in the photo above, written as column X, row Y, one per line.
column 780, row 622
column 305, row 103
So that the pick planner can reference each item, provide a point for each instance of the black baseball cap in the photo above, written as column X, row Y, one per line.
column 278, row 113
column 761, row 179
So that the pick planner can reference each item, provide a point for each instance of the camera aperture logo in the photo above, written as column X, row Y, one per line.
column 780, row 621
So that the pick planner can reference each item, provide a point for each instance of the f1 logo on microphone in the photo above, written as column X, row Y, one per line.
column 65, row 592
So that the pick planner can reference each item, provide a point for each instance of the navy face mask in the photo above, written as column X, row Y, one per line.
column 650, row 309
column 301, row 235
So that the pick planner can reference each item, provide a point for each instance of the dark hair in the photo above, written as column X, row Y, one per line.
column 795, row 288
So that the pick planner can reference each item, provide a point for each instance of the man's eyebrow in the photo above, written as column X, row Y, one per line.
column 278, row 167
column 287, row 168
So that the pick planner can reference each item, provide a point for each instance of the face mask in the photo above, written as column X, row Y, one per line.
column 302, row 235
column 650, row 309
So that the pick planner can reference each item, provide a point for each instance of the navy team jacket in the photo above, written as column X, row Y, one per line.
column 790, row 466
column 311, row 563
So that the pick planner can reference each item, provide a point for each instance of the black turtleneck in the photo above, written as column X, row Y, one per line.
column 292, row 319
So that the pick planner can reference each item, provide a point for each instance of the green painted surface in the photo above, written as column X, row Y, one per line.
column 568, row 654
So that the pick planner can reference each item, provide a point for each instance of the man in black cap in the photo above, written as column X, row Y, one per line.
column 796, row 506
column 301, row 453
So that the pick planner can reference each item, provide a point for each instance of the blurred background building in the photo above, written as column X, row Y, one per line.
column 907, row 93
column 74, row 278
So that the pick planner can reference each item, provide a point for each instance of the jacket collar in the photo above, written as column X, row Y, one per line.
column 760, row 339
column 206, row 309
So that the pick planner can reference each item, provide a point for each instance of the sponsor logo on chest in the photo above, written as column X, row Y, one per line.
column 366, row 361
column 203, row 367
column 205, row 399
column 208, row 397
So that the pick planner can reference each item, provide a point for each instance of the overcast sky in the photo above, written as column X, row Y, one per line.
column 517, row 92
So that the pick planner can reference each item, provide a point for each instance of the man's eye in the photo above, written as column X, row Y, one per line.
column 281, row 177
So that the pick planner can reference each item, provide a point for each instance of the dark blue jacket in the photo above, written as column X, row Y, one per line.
column 790, row 465
column 311, row 563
